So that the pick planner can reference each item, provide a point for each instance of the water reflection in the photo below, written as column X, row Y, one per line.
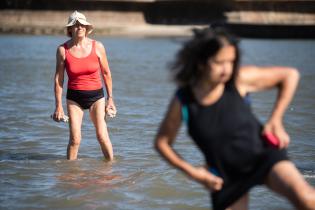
column 79, row 174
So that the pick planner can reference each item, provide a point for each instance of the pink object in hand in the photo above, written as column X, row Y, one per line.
column 272, row 140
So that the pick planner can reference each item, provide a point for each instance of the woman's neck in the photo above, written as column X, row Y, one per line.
column 78, row 41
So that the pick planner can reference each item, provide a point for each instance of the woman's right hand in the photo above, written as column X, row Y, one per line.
column 206, row 178
column 58, row 114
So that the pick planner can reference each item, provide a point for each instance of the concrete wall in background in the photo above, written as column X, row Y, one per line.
column 245, row 17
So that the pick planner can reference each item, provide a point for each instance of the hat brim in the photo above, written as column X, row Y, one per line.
column 83, row 22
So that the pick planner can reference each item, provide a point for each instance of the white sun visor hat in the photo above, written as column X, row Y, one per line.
column 77, row 16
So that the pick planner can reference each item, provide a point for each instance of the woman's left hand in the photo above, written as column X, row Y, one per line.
column 110, row 108
column 277, row 129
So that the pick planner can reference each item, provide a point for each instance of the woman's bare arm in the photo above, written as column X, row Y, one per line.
column 58, row 84
column 106, row 73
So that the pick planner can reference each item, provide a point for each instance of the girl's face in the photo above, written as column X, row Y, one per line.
column 220, row 66
column 78, row 30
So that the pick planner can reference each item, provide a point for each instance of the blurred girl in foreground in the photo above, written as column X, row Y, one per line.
column 211, row 99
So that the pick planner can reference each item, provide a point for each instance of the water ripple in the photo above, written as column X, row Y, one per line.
column 33, row 170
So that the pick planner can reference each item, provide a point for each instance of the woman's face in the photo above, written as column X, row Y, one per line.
column 220, row 66
column 78, row 30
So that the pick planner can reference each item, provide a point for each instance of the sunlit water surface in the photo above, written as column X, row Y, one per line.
column 34, row 173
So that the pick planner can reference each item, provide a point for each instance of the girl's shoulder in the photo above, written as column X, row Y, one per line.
column 183, row 94
column 245, row 79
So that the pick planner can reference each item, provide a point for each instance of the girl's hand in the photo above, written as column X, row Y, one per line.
column 277, row 129
column 209, row 180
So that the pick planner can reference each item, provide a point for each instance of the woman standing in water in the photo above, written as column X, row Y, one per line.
column 211, row 100
column 84, row 60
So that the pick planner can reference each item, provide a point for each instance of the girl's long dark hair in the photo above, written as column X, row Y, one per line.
column 205, row 44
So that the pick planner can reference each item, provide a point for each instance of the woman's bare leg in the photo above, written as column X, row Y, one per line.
column 240, row 204
column 97, row 114
column 286, row 180
column 75, row 121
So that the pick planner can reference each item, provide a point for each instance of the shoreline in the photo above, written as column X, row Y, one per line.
column 104, row 23
column 134, row 24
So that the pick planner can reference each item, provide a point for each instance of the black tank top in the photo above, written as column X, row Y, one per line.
column 229, row 135
column 227, row 132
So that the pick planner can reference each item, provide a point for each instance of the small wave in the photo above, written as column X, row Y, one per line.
column 309, row 176
column 16, row 156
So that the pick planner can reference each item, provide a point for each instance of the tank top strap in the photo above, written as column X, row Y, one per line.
column 230, row 86
column 93, row 52
column 66, row 49
column 183, row 94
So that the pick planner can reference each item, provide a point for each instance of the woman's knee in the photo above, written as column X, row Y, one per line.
column 101, row 133
column 102, row 137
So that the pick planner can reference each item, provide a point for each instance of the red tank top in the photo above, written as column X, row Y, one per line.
column 83, row 73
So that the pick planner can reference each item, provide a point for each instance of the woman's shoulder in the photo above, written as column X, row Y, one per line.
column 99, row 48
column 98, row 44
column 62, row 47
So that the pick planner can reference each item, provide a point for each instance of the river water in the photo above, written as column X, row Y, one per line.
column 34, row 173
